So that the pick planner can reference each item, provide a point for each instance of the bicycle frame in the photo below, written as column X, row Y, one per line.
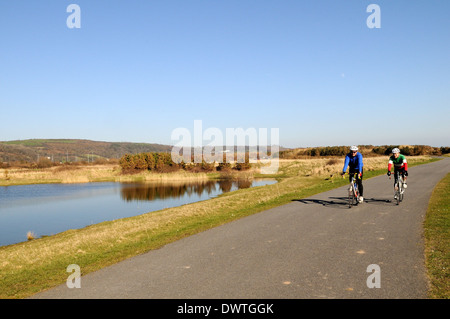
column 353, row 192
column 398, row 187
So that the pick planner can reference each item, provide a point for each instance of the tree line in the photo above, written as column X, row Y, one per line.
column 162, row 162
column 366, row 150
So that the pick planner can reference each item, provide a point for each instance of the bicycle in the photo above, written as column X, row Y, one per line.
column 353, row 192
column 399, row 188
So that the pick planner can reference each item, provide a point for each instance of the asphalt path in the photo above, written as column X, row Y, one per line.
column 308, row 249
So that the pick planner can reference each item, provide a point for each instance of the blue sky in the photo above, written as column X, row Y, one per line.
column 137, row 70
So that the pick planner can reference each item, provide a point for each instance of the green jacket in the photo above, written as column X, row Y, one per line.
column 399, row 162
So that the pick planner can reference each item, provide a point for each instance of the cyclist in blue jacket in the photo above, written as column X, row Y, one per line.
column 354, row 161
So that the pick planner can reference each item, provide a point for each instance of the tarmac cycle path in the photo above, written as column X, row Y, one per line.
column 308, row 249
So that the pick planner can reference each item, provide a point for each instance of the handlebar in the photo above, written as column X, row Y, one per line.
column 349, row 174
column 396, row 172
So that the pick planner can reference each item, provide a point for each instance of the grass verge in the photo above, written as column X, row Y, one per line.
column 36, row 265
column 437, row 240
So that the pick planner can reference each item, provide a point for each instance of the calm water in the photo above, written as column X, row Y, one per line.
column 48, row 209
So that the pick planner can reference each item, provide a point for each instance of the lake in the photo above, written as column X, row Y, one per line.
column 47, row 209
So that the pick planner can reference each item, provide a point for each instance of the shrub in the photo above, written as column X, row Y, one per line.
column 44, row 163
column 224, row 167
column 162, row 162
column 140, row 161
column 151, row 162
column 406, row 151
column 243, row 166
column 126, row 162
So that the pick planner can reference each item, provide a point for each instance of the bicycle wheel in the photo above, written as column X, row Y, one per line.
column 350, row 198
column 356, row 194
column 397, row 193
column 401, row 190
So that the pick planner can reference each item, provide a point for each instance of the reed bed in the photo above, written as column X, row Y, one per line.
column 85, row 174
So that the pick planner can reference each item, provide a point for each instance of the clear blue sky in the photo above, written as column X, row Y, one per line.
column 136, row 70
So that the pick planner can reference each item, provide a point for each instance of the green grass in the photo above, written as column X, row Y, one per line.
column 437, row 240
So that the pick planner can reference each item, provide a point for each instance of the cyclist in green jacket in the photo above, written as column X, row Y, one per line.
column 400, row 164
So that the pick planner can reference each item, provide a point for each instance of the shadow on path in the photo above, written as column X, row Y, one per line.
column 341, row 202
column 378, row 201
column 338, row 202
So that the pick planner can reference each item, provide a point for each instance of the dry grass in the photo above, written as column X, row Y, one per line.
column 329, row 167
column 100, row 173
column 31, row 235
column 85, row 174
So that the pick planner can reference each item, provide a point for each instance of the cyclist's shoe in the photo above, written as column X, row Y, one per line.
column 350, row 189
column 395, row 196
column 404, row 185
column 361, row 199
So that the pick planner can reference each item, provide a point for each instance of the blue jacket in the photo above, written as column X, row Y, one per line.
column 355, row 163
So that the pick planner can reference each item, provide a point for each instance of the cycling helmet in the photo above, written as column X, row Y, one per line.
column 395, row 150
column 354, row 148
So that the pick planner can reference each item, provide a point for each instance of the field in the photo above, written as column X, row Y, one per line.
column 39, row 264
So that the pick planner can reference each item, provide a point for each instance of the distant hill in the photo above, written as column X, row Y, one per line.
column 71, row 150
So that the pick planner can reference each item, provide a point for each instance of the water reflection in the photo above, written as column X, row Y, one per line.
column 47, row 209
column 152, row 191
